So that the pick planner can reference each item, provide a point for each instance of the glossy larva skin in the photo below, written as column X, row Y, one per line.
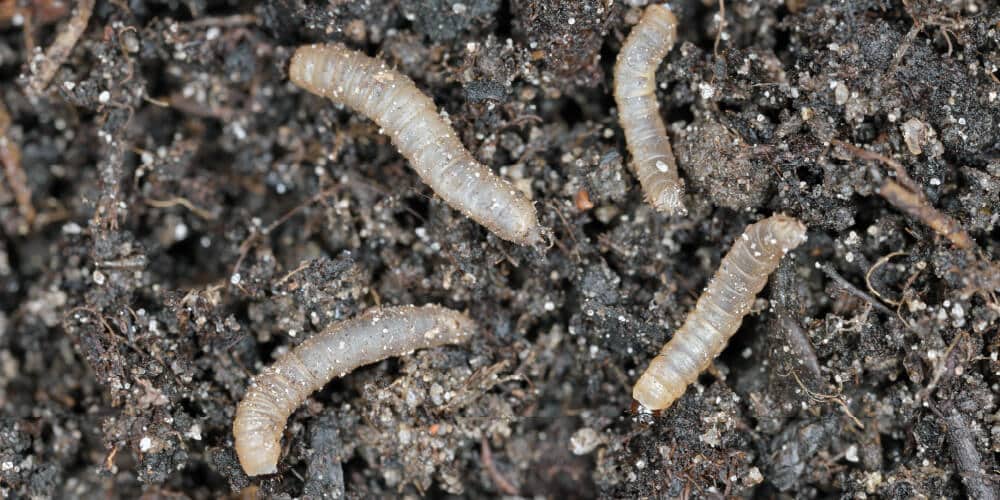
column 719, row 311
column 280, row 388
column 411, row 120
column 639, row 112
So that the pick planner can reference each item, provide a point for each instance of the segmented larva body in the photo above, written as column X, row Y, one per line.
column 280, row 388
column 719, row 311
column 639, row 112
column 411, row 120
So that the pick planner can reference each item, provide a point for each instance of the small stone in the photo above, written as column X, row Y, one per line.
column 584, row 440
column 915, row 135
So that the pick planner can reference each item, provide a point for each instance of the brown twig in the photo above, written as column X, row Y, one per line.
column 901, row 174
column 907, row 196
column 43, row 67
column 914, row 205
column 109, row 461
column 828, row 398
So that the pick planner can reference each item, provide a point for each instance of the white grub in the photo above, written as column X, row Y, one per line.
column 280, row 388
column 639, row 113
column 412, row 122
column 719, row 311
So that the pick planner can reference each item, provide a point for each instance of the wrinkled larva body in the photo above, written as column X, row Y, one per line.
column 280, row 388
column 411, row 120
column 639, row 112
column 719, row 311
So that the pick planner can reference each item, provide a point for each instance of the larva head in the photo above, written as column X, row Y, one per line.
column 664, row 17
column 788, row 232
column 455, row 321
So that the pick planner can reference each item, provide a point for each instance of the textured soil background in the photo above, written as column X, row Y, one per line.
column 176, row 214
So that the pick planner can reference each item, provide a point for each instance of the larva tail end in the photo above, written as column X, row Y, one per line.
column 258, row 459
column 257, row 442
column 651, row 394
column 258, row 468
column 541, row 239
column 670, row 201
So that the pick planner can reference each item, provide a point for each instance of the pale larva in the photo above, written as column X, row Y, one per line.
column 280, row 388
column 719, row 311
column 639, row 112
column 411, row 119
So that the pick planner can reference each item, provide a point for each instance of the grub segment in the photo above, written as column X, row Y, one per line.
column 281, row 387
column 639, row 112
column 720, row 310
column 411, row 120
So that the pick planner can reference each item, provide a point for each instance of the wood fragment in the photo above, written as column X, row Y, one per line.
column 582, row 200
column 786, row 306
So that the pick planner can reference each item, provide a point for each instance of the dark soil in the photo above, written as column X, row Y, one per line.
column 191, row 215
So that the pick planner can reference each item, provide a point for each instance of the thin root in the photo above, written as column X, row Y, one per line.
column 868, row 276
column 828, row 398
column 184, row 202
